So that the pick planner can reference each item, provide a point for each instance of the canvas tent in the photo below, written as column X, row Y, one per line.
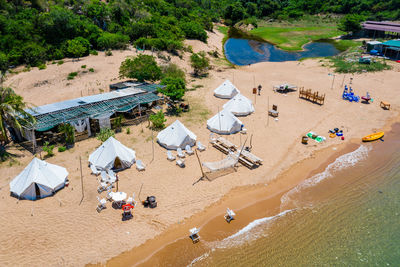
column 176, row 135
column 224, row 123
column 239, row 105
column 112, row 155
column 226, row 90
column 38, row 180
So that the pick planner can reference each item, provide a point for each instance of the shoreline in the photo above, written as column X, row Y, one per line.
column 210, row 221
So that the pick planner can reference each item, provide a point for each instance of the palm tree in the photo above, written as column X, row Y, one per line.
column 12, row 112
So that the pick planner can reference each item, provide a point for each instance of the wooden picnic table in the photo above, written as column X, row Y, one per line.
column 225, row 143
column 251, row 157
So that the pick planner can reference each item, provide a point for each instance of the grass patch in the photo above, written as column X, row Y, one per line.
column 60, row 62
column 42, row 66
column 293, row 38
column 349, row 62
column 72, row 75
column 91, row 70
column 198, row 112
column 83, row 66
column 224, row 61
column 343, row 64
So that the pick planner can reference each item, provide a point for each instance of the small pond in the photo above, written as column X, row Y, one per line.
column 243, row 52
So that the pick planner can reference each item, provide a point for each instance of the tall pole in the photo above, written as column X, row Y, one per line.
column 83, row 194
column 333, row 80
column 267, row 110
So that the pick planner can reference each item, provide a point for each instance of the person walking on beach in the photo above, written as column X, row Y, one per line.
column 259, row 89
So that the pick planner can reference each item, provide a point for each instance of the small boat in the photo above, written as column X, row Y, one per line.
column 373, row 137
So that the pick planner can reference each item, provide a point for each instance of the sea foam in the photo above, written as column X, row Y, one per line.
column 342, row 162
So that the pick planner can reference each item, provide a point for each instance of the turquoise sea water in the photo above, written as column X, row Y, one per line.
column 348, row 215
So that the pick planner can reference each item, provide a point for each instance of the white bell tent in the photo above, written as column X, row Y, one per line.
column 224, row 122
column 112, row 155
column 226, row 90
column 239, row 105
column 176, row 136
column 38, row 180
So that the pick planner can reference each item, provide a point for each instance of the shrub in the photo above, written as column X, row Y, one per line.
column 42, row 66
column 72, row 75
column 78, row 47
column 108, row 53
column 61, row 148
column 48, row 149
column 199, row 63
column 112, row 41
column 104, row 134
column 174, row 87
column 60, row 62
column 128, row 130
column 93, row 52
column 143, row 68
column 69, row 132
column 194, row 30
column 91, row 70
column 83, row 66
column 158, row 120
column 172, row 70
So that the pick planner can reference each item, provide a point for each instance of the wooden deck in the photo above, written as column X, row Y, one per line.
column 246, row 158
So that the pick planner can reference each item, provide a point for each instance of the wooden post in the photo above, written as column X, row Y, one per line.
column 152, row 145
column 83, row 194
column 140, row 191
column 268, row 111
column 201, row 168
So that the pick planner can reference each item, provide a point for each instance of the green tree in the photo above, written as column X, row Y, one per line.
column 174, row 87
column 104, row 134
column 12, row 112
column 78, row 47
column 69, row 133
column 351, row 23
column 158, row 120
column 200, row 63
column 112, row 41
column 143, row 68
column 3, row 66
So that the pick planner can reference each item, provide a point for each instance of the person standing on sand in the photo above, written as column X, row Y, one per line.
column 259, row 89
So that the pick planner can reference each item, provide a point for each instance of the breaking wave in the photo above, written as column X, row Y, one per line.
column 342, row 162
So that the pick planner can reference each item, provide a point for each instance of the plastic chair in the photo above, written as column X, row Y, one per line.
column 140, row 165
column 200, row 146
column 189, row 150
column 170, row 157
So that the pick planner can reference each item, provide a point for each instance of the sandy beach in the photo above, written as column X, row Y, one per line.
column 63, row 230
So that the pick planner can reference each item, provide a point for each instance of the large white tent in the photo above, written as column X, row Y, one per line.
column 176, row 135
column 239, row 105
column 226, row 90
column 38, row 180
column 112, row 155
column 224, row 122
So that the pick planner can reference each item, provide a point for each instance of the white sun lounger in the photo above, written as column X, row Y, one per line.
column 104, row 176
column 200, row 146
column 101, row 205
column 140, row 165
column 102, row 187
column 170, row 157
column 180, row 163
column 131, row 200
column 194, row 234
column 112, row 177
column 181, row 154
column 189, row 150
column 95, row 171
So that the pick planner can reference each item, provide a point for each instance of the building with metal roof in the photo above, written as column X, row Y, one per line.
column 385, row 26
column 94, row 106
column 391, row 49
column 149, row 87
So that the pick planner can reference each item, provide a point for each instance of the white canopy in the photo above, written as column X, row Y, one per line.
column 226, row 90
column 112, row 155
column 239, row 105
column 38, row 180
column 224, row 123
column 176, row 135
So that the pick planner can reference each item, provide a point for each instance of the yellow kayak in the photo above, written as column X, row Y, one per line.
column 373, row 137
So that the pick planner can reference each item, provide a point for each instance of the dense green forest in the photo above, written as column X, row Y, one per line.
column 32, row 32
